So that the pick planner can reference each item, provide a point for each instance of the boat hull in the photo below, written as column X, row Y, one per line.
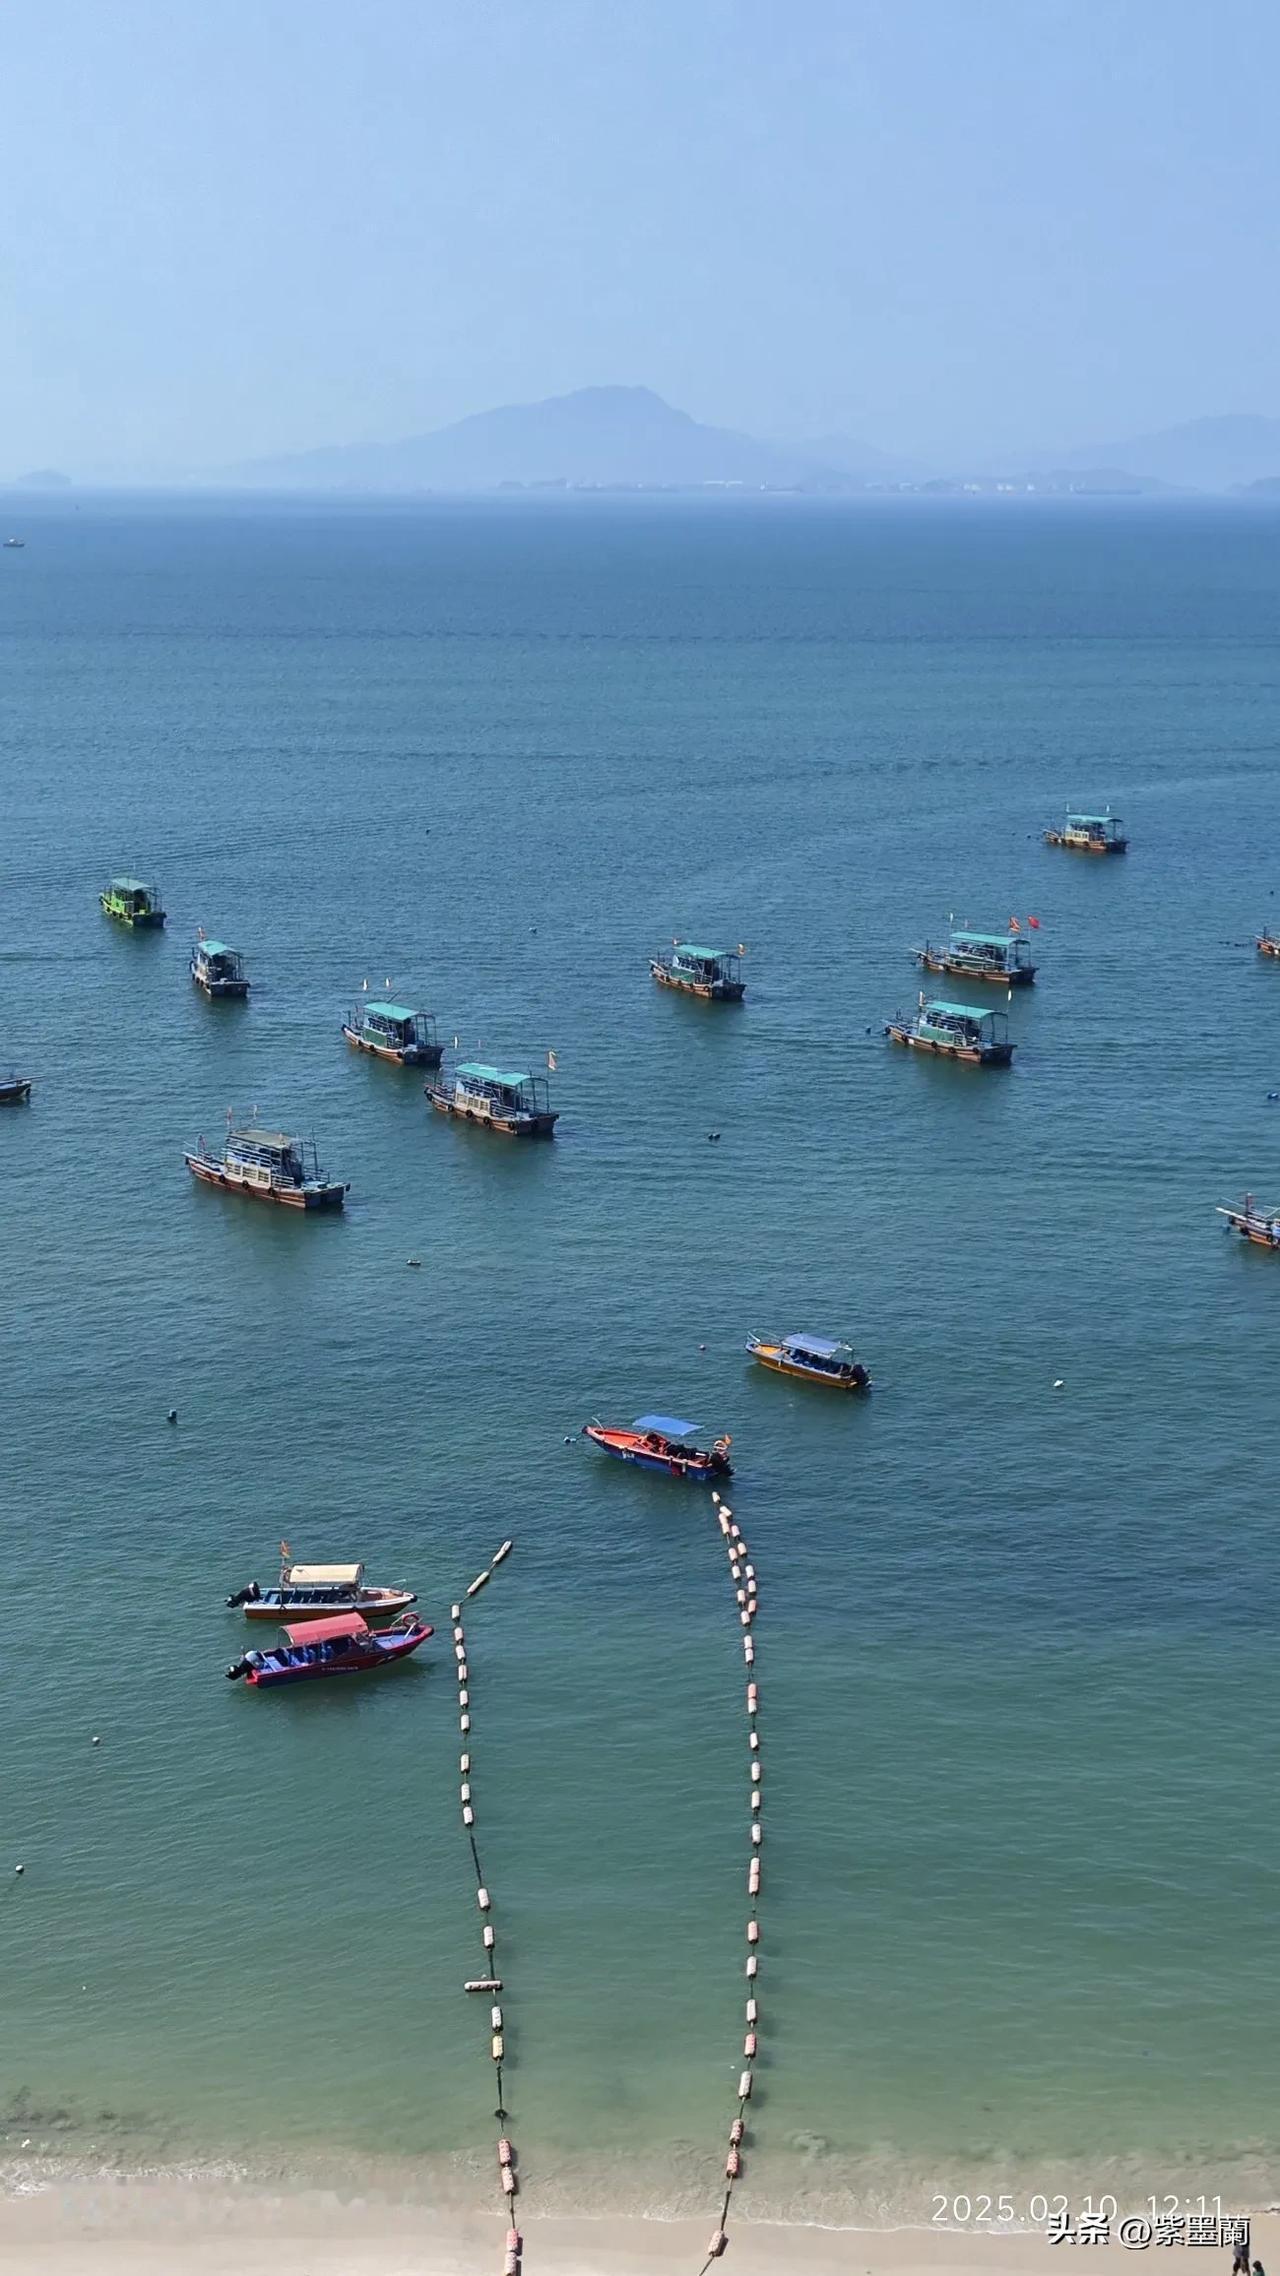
column 971, row 1054
column 1263, row 1232
column 710, row 991
column 929, row 961
column 215, row 990
column 14, row 1094
column 382, row 1651
column 150, row 920
column 413, row 1054
column 290, row 1197
column 629, row 1446
column 385, row 1604
column 1086, row 845
column 780, row 1363
column 506, row 1125
column 1267, row 946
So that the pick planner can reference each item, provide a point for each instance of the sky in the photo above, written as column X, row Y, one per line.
column 952, row 228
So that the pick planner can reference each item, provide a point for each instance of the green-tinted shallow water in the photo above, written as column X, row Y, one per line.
column 1016, row 1643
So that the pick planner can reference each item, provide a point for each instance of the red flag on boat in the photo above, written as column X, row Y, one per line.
column 1034, row 923
column 285, row 1550
column 1014, row 926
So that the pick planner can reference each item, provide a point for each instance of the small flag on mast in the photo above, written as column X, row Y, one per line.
column 1034, row 923
column 1014, row 926
column 552, row 1062
column 285, row 1550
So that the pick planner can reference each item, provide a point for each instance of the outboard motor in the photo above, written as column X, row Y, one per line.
column 248, row 1595
column 237, row 1669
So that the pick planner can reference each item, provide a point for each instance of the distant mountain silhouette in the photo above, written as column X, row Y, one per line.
column 1267, row 486
column 1202, row 454
column 42, row 478
column 605, row 436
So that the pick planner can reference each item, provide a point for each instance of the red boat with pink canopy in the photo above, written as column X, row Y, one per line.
column 345, row 1645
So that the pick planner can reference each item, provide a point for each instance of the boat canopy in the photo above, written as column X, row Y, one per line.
column 213, row 948
column 1093, row 821
column 955, row 1011
column 328, row 1631
column 702, row 955
column 130, row 885
column 397, row 1012
column 984, row 940
column 817, row 1347
column 270, row 1141
column 503, row 1078
column 666, row 1426
column 323, row 1576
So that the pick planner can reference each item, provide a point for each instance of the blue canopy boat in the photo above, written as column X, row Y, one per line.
column 1003, row 957
column 665, row 1443
column 217, row 969
column 517, row 1105
column 392, row 1031
column 955, row 1031
column 817, row 1359
column 713, row 973
column 1090, row 833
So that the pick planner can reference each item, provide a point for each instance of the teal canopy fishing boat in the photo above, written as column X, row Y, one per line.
column 1002, row 957
column 132, row 903
column 712, row 973
column 955, row 1031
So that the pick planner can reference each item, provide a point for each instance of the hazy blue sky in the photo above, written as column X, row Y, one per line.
column 946, row 226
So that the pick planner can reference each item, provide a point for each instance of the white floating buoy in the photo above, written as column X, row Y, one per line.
column 464, row 1763
column 744, row 2087
column 464, row 1722
column 488, row 1938
column 1059, row 1383
column 95, row 1740
column 482, row 1898
column 753, row 1966
column 414, row 1261
column 468, row 1814
column 464, row 1697
column 19, row 1868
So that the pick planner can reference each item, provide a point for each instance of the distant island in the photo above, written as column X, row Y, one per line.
column 628, row 441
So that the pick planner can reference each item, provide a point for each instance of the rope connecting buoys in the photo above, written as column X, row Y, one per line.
column 492, row 1982
column 743, row 1575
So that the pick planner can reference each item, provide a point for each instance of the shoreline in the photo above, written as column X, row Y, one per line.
column 71, row 2224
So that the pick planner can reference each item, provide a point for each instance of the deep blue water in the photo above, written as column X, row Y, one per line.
column 1016, row 1641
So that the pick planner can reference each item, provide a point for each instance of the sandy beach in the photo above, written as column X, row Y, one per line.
column 138, row 2227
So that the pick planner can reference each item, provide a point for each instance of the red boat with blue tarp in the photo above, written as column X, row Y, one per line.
column 345, row 1645
column 664, row 1442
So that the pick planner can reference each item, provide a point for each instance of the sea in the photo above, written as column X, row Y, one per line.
column 1018, row 1607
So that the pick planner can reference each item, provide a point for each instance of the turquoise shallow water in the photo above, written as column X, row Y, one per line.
column 1016, row 1643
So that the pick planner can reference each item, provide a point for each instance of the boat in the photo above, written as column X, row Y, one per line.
column 955, row 1031
column 320, row 1592
column 815, row 1359
column 1268, row 945
column 1261, row 1226
column 217, row 969
column 15, row 1090
column 270, row 1166
column 131, row 902
column 392, row 1031
column 14, row 543
column 664, row 1442
column 517, row 1105
column 1003, row 957
column 713, row 973
column 1090, row 833
column 345, row 1645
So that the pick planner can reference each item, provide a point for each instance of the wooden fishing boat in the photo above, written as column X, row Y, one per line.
column 267, row 1165
column 665, row 1443
column 217, row 969
column 813, row 1359
column 519, row 1106
column 1261, row 1226
column 1002, row 957
column 320, row 1592
column 345, row 1645
column 15, row 1090
column 392, row 1031
column 1268, row 945
column 712, row 973
column 132, row 903
column 1090, row 833
column 955, row 1031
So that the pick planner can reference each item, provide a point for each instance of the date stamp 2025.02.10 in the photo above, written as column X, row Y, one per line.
column 1159, row 2221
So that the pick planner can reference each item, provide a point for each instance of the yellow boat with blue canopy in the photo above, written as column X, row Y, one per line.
column 812, row 1359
